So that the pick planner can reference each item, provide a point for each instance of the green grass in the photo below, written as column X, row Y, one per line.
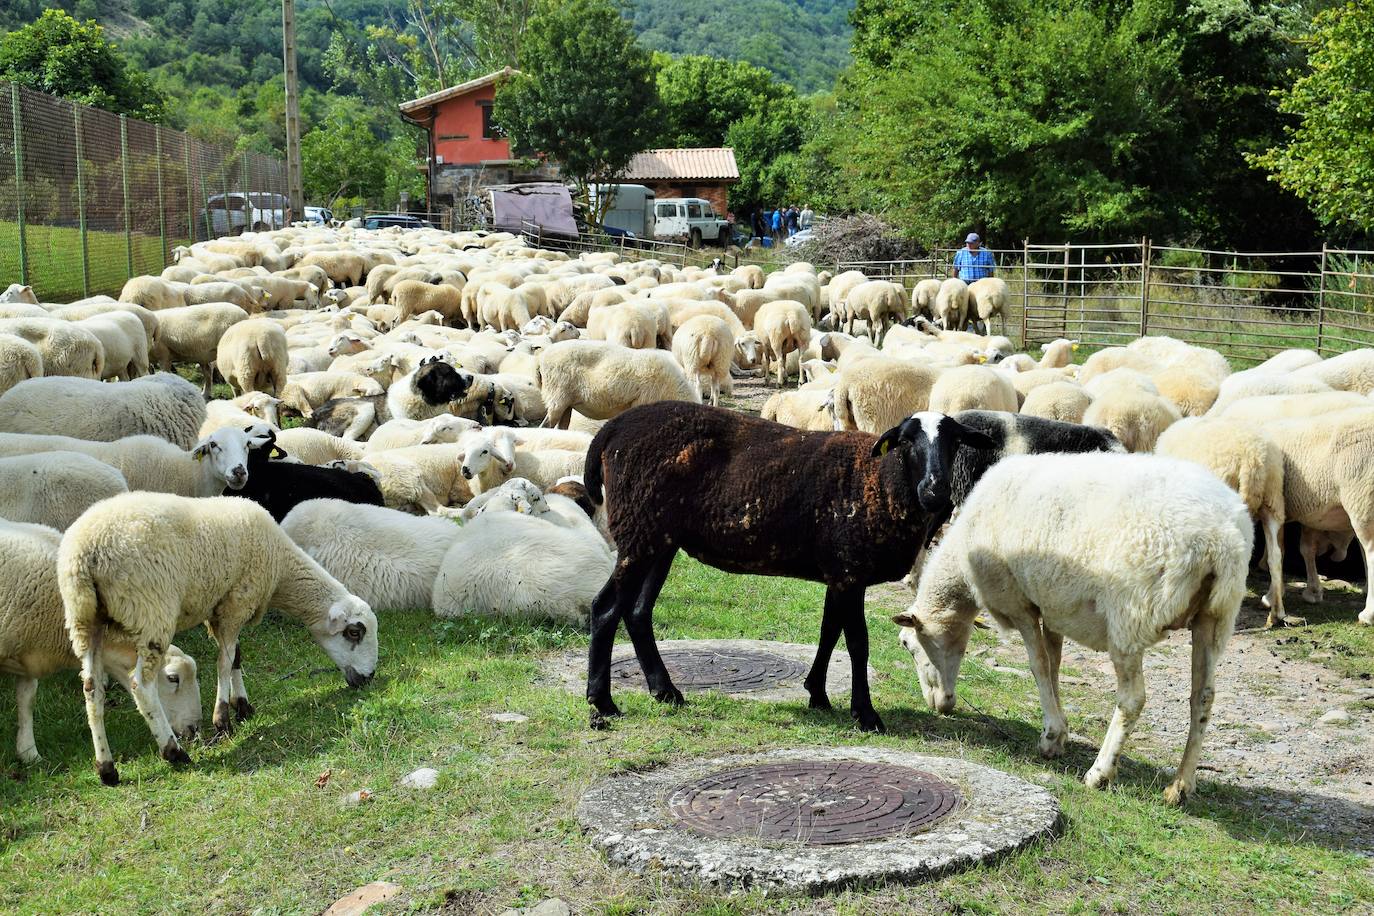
column 1330, row 635
column 55, row 259
column 246, row 828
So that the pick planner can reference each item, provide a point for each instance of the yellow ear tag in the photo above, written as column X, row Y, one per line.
column 199, row 456
column 883, row 448
column 1075, row 346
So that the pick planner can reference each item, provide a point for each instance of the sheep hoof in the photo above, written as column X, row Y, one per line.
column 868, row 720
column 1285, row 621
column 243, row 709
column 1051, row 746
column 1097, row 778
column 1177, row 793
column 174, row 754
column 222, row 720
column 1367, row 617
column 819, row 701
column 600, row 722
column 1312, row 596
column 108, row 774
column 672, row 696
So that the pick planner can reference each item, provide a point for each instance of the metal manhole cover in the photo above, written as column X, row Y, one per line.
column 818, row 803
column 729, row 671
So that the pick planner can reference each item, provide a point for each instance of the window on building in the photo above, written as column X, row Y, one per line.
column 489, row 130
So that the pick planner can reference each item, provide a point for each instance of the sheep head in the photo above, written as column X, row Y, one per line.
column 928, row 443
column 348, row 635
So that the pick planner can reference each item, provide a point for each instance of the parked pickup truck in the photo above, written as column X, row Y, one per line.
column 691, row 218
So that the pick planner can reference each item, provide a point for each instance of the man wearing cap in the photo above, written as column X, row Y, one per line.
column 973, row 261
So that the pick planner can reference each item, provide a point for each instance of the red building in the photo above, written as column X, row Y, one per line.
column 466, row 151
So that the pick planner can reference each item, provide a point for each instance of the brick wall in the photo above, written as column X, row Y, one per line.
column 715, row 193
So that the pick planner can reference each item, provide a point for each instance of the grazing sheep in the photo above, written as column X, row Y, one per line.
column 601, row 380
column 1254, row 386
column 34, row 643
column 53, row 488
column 923, row 297
column 1192, row 391
column 972, row 388
column 1063, row 401
column 783, row 327
column 1112, row 551
column 252, row 356
column 403, row 433
column 951, row 304
column 250, row 300
column 1057, row 354
column 162, row 404
column 280, row 486
column 752, row 274
column 305, row 391
column 513, row 564
column 19, row 361
column 191, row 335
column 879, row 304
column 1266, row 407
column 123, row 342
column 152, row 463
column 809, row 408
column 414, row 297
column 757, row 508
column 1135, row 417
column 387, row 558
column 153, row 293
column 343, row 268
column 1280, row 364
column 988, row 297
column 838, row 291
column 704, row 347
column 1352, row 371
column 244, row 410
column 1247, row 461
column 136, row 569
column 878, row 393
column 66, row 349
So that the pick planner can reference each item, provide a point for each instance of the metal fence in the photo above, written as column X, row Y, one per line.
column 89, row 198
column 1248, row 305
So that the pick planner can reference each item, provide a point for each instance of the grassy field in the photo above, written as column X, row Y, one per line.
column 257, row 823
column 55, row 259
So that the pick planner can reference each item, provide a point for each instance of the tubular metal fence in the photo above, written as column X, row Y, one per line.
column 89, row 198
column 1247, row 305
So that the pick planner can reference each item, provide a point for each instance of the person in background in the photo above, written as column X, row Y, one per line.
column 757, row 225
column 777, row 224
column 792, row 220
column 804, row 220
column 973, row 261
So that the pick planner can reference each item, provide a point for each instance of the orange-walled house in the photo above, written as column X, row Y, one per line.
column 466, row 150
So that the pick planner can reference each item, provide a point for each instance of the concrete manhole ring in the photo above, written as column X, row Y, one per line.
column 812, row 819
column 818, row 803
column 752, row 669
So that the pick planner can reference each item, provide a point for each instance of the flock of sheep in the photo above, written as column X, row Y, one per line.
column 487, row 427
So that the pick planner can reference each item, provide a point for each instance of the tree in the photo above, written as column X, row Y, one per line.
column 59, row 55
column 342, row 159
column 1327, row 158
column 767, row 144
column 702, row 96
column 585, row 95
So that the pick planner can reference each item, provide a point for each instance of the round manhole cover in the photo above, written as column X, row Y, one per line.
column 818, row 803
column 729, row 671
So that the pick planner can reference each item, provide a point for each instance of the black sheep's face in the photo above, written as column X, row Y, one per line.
column 439, row 383
column 930, row 442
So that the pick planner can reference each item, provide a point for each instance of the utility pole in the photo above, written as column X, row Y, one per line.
column 294, row 188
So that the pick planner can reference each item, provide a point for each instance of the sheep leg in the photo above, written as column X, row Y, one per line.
column 144, row 682
column 25, row 689
column 1208, row 638
column 639, row 623
column 1054, row 649
column 93, row 686
column 856, row 641
column 832, row 623
column 1273, row 558
column 605, row 616
column 1056, row 726
column 1307, row 546
column 243, row 709
column 224, row 680
column 207, row 374
column 1130, row 700
column 1366, row 537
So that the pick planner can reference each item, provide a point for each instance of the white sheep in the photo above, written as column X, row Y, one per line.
column 704, row 347
column 1134, row 416
column 314, row 446
column 517, row 565
column 17, row 292
column 1064, row 401
column 191, row 334
column 153, row 293
column 972, row 388
column 875, row 394
column 138, row 568
column 124, row 343
column 19, row 361
column 390, row 559
column 1352, row 371
column 402, row 433
column 66, row 348
column 34, row 643
column 877, row 303
column 490, row 456
column 783, row 327
column 951, row 304
column 1266, row 407
column 809, row 408
column 253, row 407
column 601, row 380
column 252, row 356
column 53, row 488
column 305, row 391
column 1111, row 551
column 162, row 404
column 1057, row 354
column 988, row 297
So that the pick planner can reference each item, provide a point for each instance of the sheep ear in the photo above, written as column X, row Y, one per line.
column 906, row 619
column 336, row 620
column 201, row 451
column 886, row 441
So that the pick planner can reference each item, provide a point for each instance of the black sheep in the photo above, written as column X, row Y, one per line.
column 280, row 486
column 847, row 509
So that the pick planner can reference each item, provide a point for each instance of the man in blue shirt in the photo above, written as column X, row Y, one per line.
column 973, row 261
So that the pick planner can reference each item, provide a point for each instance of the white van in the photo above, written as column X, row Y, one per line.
column 692, row 217
column 259, row 211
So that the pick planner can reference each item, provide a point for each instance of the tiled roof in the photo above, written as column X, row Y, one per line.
column 433, row 98
column 717, row 162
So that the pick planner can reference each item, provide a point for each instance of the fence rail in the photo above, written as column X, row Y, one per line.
column 89, row 198
column 1248, row 305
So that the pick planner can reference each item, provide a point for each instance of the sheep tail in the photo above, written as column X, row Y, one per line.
column 81, row 604
column 591, row 473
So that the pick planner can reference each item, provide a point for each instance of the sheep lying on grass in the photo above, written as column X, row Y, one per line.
column 1112, row 551
column 138, row 568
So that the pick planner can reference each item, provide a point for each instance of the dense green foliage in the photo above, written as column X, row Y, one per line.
column 59, row 55
column 585, row 93
column 1328, row 157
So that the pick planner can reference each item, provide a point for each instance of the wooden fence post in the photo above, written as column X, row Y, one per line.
column 81, row 202
column 18, row 136
column 1144, row 285
column 1321, row 303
